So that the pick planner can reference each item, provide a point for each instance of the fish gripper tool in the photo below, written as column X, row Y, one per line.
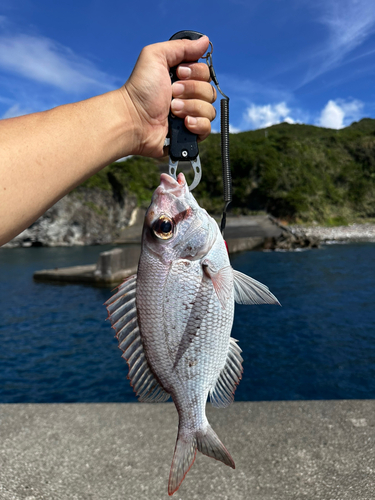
column 182, row 143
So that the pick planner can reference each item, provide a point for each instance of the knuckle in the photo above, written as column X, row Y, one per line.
column 205, row 72
column 149, row 49
column 201, row 71
column 194, row 87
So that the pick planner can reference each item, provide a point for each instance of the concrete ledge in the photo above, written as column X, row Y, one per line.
column 243, row 244
column 83, row 274
column 318, row 450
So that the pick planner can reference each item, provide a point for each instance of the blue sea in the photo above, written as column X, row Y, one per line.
column 56, row 345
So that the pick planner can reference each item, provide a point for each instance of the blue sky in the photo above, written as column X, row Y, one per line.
column 278, row 60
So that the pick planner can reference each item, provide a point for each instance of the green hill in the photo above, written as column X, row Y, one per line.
column 296, row 172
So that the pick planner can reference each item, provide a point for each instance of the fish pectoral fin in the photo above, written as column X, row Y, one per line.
column 250, row 291
column 222, row 281
column 222, row 394
column 122, row 312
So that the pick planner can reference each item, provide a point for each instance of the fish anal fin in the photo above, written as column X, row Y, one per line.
column 122, row 313
column 222, row 281
column 250, row 291
column 210, row 445
column 222, row 393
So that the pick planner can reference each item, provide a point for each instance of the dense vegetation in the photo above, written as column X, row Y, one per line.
column 296, row 172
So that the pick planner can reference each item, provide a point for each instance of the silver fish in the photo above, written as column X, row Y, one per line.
column 174, row 318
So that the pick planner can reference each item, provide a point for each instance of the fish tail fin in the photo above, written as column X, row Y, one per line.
column 183, row 458
column 209, row 444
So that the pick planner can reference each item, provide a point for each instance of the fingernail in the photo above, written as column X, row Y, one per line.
column 178, row 88
column 192, row 120
column 183, row 71
column 177, row 104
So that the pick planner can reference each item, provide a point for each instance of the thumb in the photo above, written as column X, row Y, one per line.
column 178, row 51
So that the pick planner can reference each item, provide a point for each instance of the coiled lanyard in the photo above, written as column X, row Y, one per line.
column 224, row 141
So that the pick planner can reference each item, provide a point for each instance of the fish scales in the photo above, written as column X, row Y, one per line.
column 198, row 338
column 185, row 290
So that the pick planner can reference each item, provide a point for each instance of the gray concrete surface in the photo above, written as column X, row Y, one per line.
column 318, row 450
column 82, row 274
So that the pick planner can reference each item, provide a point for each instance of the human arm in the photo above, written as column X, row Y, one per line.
column 45, row 155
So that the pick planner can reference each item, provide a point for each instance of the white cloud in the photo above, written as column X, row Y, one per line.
column 233, row 129
column 16, row 110
column 349, row 24
column 290, row 120
column 270, row 114
column 44, row 60
column 338, row 114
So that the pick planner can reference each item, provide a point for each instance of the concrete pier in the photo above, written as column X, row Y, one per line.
column 315, row 450
column 111, row 269
column 242, row 233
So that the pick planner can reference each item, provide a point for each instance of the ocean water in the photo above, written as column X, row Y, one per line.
column 56, row 345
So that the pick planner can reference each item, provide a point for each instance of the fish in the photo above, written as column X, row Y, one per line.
column 173, row 320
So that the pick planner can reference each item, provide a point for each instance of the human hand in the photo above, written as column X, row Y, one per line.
column 148, row 94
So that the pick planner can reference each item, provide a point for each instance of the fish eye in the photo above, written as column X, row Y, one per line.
column 163, row 227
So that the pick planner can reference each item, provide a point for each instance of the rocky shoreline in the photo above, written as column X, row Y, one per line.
column 353, row 232
column 83, row 217
column 96, row 217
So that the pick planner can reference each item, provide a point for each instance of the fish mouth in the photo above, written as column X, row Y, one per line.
column 169, row 200
column 169, row 184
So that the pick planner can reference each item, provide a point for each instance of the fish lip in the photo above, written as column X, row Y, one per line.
column 169, row 184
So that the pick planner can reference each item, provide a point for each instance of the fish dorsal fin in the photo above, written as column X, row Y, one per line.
column 250, row 291
column 222, row 394
column 122, row 313
column 222, row 281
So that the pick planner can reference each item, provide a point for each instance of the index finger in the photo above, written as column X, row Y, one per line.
column 194, row 71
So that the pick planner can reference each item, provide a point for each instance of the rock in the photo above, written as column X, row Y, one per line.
column 353, row 232
column 83, row 217
column 291, row 239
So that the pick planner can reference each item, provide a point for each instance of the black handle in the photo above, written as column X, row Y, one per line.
column 183, row 145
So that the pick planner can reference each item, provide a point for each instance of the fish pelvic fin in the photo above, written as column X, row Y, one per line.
column 183, row 458
column 209, row 444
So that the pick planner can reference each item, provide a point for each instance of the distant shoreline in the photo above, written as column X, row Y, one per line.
column 353, row 232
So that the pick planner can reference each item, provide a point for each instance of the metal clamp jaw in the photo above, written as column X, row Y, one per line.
column 182, row 143
column 195, row 163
